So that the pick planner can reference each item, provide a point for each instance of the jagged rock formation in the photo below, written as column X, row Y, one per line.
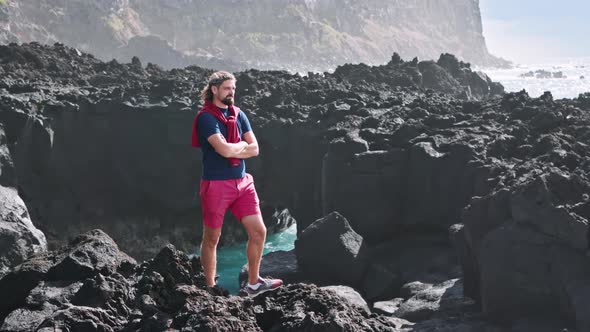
column 342, row 259
column 530, row 244
column 298, row 35
column 403, row 151
column 90, row 285
column 82, row 133
column 19, row 238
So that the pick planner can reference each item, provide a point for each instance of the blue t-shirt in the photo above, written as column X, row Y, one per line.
column 215, row 166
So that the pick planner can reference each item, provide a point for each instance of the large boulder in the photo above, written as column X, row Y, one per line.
column 380, row 282
column 438, row 78
column 430, row 172
column 387, row 308
column 329, row 251
column 86, row 256
column 407, row 258
column 351, row 296
column 432, row 300
column 478, row 84
column 481, row 216
column 524, row 249
column 19, row 238
column 554, row 204
column 41, row 303
column 550, row 278
column 380, row 174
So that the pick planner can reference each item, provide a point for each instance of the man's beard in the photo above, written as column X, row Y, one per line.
column 228, row 101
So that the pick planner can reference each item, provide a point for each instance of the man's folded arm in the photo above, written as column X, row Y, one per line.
column 252, row 149
column 225, row 149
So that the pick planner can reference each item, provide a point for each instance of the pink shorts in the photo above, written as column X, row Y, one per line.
column 238, row 195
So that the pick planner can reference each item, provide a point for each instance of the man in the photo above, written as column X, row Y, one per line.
column 224, row 134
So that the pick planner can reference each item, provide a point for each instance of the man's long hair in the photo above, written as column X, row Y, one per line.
column 216, row 79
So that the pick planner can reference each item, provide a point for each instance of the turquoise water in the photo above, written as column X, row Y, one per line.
column 231, row 259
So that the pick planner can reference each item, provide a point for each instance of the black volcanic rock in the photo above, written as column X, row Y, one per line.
column 538, row 228
column 88, row 254
column 107, row 144
column 448, row 75
column 166, row 292
column 19, row 238
column 478, row 82
column 422, row 257
column 68, row 115
column 444, row 298
column 351, row 296
column 437, row 78
column 330, row 251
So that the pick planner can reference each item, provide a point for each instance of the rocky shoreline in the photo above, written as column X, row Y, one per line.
column 459, row 207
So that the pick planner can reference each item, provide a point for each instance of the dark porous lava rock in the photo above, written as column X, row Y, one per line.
column 330, row 251
column 90, row 285
column 404, row 152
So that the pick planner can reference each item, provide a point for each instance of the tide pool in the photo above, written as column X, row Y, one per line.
column 231, row 259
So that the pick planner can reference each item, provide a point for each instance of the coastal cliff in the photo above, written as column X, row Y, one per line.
column 312, row 35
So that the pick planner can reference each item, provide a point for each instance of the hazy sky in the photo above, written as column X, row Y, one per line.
column 536, row 30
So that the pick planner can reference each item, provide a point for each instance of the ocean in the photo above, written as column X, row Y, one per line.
column 544, row 76
column 230, row 259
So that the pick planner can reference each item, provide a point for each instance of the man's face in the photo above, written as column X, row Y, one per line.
column 225, row 92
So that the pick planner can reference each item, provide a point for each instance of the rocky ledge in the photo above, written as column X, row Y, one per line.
column 104, row 145
column 90, row 285
column 423, row 161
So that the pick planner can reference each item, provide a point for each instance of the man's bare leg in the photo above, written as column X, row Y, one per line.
column 209, row 253
column 256, row 236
